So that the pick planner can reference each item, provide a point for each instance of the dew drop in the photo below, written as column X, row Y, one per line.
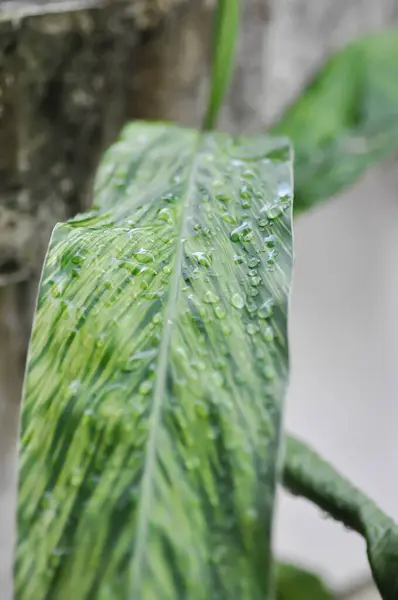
column 274, row 211
column 240, row 232
column 269, row 372
column 144, row 354
column 271, row 258
column 265, row 311
column 253, row 263
column 217, row 183
column 251, row 307
column 238, row 260
column 237, row 301
column 255, row 281
column 253, row 292
column 198, row 365
column 165, row 214
column 145, row 387
column 270, row 241
column 219, row 312
column 223, row 197
column 245, row 192
column 77, row 259
column 210, row 297
column 166, row 269
column 252, row 328
column 192, row 463
column 143, row 256
column 203, row 258
column 201, row 409
column 248, row 174
column 213, row 433
column 268, row 334
column 228, row 218
column 249, row 237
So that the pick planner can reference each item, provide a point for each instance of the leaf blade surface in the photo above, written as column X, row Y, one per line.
column 157, row 370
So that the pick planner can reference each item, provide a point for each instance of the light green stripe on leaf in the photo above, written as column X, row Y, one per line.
column 156, row 376
column 346, row 120
column 306, row 474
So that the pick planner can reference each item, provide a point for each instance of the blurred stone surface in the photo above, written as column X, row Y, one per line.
column 64, row 93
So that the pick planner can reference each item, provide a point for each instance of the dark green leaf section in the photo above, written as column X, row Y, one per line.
column 306, row 474
column 346, row 120
column 156, row 376
column 294, row 583
column 224, row 42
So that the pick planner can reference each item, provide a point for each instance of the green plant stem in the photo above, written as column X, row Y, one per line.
column 307, row 474
column 224, row 42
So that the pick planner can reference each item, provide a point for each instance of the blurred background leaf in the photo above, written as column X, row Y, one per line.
column 346, row 120
column 224, row 42
column 294, row 583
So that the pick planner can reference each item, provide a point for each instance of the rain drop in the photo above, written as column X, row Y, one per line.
column 165, row 214
column 265, row 311
column 240, row 232
column 203, row 258
column 252, row 328
column 253, row 292
column 145, row 387
column 210, row 297
column 274, row 211
column 228, row 218
column 270, row 241
column 143, row 256
column 222, row 198
column 255, row 281
column 238, row 260
column 237, row 301
column 253, row 263
column 268, row 334
column 219, row 312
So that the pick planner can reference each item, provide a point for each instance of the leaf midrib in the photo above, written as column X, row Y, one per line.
column 144, row 503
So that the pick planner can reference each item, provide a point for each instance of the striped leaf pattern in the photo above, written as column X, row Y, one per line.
column 156, row 376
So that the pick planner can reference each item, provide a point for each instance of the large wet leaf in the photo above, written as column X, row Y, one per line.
column 297, row 583
column 308, row 475
column 346, row 120
column 156, row 376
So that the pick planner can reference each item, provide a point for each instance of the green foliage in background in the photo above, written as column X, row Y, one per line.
column 293, row 583
column 156, row 376
column 346, row 121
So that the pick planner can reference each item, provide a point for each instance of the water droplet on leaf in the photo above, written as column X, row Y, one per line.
column 210, row 297
column 237, row 301
column 240, row 232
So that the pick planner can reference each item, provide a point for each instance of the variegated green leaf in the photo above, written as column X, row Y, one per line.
column 308, row 475
column 156, row 376
column 346, row 120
